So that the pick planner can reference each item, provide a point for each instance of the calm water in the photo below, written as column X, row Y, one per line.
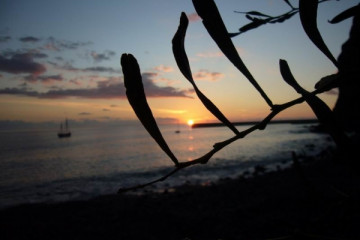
column 36, row 166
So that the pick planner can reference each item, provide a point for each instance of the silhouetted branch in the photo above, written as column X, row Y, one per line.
column 265, row 18
column 212, row 21
column 220, row 145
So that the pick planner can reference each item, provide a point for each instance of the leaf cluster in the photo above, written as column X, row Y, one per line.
column 212, row 21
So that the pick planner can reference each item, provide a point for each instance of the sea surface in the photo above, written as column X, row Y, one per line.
column 37, row 166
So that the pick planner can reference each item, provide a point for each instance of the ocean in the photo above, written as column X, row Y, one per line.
column 37, row 166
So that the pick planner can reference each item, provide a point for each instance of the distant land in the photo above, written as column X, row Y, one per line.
column 291, row 121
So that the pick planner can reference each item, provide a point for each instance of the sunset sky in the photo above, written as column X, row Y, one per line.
column 61, row 59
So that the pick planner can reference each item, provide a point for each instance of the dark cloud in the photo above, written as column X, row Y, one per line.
column 21, row 63
column 100, row 69
column 32, row 53
column 107, row 55
column 67, row 66
column 19, row 91
column 4, row 38
column 29, row 39
column 153, row 90
column 106, row 110
column 50, row 78
column 38, row 55
column 112, row 88
column 58, row 45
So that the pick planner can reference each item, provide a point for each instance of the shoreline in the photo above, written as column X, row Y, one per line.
column 316, row 198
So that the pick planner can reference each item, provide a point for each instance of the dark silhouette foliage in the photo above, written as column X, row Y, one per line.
column 212, row 21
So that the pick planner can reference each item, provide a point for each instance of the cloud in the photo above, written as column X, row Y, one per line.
column 32, row 53
column 163, row 68
column 69, row 67
column 194, row 17
column 208, row 76
column 75, row 82
column 84, row 114
column 107, row 55
column 21, row 63
column 45, row 79
column 4, row 38
column 53, row 44
column 111, row 88
column 100, row 69
column 51, row 78
column 106, row 110
column 29, row 39
column 19, row 91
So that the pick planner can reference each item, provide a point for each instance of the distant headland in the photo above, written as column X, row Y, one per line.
column 291, row 121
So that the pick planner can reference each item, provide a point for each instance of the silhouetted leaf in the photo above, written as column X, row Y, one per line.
column 234, row 34
column 182, row 61
column 252, row 25
column 345, row 14
column 328, row 82
column 308, row 15
column 288, row 77
column 212, row 21
column 288, row 3
column 255, row 13
column 283, row 18
column 321, row 110
column 254, row 19
column 137, row 99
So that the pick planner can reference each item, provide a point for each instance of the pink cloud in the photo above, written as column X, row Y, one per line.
column 194, row 17
column 162, row 68
column 204, row 75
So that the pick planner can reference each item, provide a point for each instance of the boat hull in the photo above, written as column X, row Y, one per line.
column 63, row 135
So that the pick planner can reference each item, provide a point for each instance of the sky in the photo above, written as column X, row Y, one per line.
column 60, row 59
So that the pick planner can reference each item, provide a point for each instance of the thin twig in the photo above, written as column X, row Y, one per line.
column 220, row 145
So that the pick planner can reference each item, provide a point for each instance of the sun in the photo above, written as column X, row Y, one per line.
column 190, row 122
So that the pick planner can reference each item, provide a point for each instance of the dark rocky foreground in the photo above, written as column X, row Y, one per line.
column 318, row 199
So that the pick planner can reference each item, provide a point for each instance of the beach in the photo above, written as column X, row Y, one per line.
column 315, row 198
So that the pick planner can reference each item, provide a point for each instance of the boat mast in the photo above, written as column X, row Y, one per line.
column 66, row 125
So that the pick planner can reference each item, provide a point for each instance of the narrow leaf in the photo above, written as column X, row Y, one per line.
column 321, row 110
column 137, row 99
column 288, row 77
column 214, row 24
column 328, row 82
column 345, row 14
column 254, row 19
column 284, row 17
column 182, row 61
column 308, row 15
column 288, row 3
column 255, row 13
column 252, row 25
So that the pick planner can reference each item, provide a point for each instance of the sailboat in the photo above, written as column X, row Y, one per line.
column 64, row 130
column 178, row 129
